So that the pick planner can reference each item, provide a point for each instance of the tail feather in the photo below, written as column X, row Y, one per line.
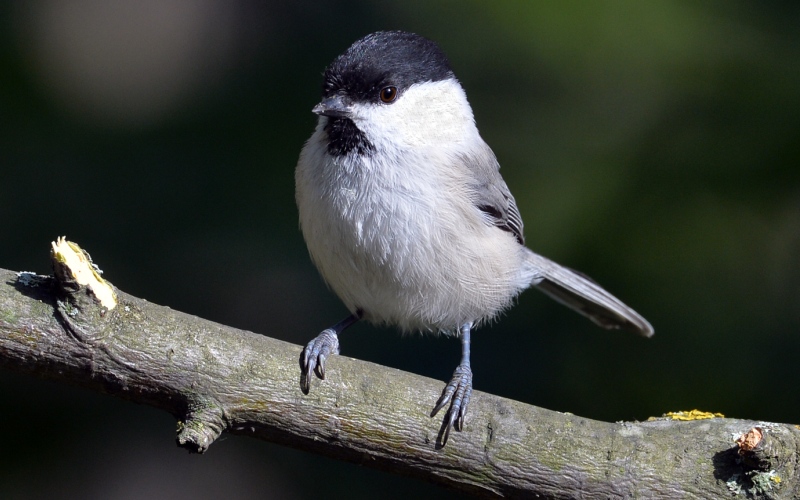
column 582, row 294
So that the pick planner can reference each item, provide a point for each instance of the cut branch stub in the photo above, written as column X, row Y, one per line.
column 87, row 308
column 75, row 271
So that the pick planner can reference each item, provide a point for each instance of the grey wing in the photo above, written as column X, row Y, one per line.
column 491, row 194
column 571, row 288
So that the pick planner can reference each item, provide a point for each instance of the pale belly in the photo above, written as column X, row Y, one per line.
column 401, row 264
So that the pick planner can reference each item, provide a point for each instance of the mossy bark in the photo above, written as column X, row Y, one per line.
column 215, row 379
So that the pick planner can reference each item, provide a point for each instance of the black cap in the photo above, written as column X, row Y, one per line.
column 385, row 58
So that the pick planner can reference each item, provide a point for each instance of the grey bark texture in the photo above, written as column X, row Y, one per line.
column 216, row 379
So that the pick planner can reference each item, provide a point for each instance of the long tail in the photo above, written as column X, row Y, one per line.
column 580, row 293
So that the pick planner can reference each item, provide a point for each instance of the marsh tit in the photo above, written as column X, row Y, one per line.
column 406, row 216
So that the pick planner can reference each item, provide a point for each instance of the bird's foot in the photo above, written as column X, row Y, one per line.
column 457, row 393
column 312, row 359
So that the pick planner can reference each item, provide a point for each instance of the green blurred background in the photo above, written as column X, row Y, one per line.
column 653, row 145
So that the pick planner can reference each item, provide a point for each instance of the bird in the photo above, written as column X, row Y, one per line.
column 407, row 218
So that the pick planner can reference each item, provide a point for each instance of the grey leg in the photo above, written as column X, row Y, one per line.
column 457, row 392
column 312, row 359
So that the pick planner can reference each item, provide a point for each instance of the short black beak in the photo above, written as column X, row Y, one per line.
column 335, row 106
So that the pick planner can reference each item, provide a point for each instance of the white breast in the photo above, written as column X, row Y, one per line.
column 400, row 240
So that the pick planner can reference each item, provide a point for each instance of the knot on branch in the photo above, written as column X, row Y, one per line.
column 761, row 449
column 766, row 458
column 202, row 425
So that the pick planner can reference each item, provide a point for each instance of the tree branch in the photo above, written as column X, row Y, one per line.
column 213, row 378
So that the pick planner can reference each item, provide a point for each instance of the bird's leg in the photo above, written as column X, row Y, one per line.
column 457, row 392
column 312, row 359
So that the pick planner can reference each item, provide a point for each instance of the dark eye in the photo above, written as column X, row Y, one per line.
column 388, row 94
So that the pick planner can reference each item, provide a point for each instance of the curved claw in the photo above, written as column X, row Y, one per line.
column 457, row 392
column 312, row 359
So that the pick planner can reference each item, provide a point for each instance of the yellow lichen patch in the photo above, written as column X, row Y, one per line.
column 692, row 415
column 71, row 256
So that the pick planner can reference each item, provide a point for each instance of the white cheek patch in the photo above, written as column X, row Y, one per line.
column 425, row 114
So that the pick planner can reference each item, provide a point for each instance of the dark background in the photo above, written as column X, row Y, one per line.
column 652, row 145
